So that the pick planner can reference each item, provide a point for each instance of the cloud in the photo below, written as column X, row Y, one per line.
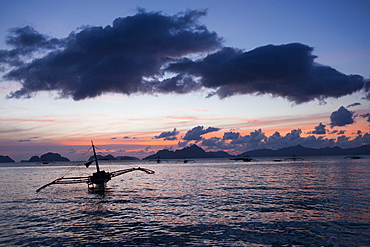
column 354, row 104
column 258, row 140
column 341, row 117
column 30, row 139
column 168, row 135
column 144, row 152
column 319, row 129
column 122, row 58
column 197, row 132
column 366, row 89
column 254, row 137
column 288, row 71
column 366, row 115
column 338, row 132
column 341, row 132
column 231, row 135
column 148, row 53
column 26, row 41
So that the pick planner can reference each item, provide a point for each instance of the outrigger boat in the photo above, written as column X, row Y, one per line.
column 98, row 181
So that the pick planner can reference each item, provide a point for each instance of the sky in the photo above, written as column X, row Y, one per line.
column 140, row 76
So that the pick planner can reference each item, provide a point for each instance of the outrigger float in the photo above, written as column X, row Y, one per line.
column 98, row 181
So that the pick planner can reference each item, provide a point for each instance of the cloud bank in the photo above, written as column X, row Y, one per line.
column 287, row 71
column 148, row 53
column 115, row 59
column 235, row 142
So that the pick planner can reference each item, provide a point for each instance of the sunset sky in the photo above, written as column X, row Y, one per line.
column 140, row 76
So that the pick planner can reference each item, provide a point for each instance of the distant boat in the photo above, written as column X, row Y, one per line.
column 158, row 160
column 355, row 157
column 97, row 182
column 294, row 158
column 187, row 161
column 245, row 159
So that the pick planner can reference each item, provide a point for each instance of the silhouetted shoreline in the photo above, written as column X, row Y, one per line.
column 194, row 152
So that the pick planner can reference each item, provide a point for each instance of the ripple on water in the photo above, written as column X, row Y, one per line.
column 221, row 204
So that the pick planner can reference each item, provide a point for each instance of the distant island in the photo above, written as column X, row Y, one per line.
column 303, row 151
column 192, row 151
column 6, row 159
column 196, row 152
column 111, row 157
column 48, row 157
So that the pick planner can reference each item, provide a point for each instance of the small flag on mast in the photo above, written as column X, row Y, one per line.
column 87, row 164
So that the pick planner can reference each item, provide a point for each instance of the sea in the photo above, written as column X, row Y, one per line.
column 320, row 201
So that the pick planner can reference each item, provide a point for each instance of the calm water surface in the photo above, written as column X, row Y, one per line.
column 322, row 201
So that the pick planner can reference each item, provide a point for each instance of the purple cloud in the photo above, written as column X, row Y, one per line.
column 366, row 115
column 136, row 54
column 288, row 71
column 354, row 104
column 197, row 132
column 258, row 140
column 231, row 135
column 113, row 59
column 168, row 135
column 341, row 117
column 319, row 129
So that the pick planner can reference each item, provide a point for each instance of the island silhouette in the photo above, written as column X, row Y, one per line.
column 196, row 152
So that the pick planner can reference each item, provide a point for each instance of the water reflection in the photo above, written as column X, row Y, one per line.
column 314, row 202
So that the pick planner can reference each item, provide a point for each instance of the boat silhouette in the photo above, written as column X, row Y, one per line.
column 97, row 182
column 245, row 159
column 294, row 158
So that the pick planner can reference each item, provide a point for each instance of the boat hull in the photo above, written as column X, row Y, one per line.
column 101, row 187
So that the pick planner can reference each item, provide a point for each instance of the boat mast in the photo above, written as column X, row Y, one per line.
column 96, row 158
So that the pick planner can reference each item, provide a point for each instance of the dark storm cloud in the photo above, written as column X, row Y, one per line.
column 139, row 54
column 27, row 39
column 180, row 84
column 25, row 42
column 341, row 117
column 168, row 135
column 197, row 132
column 319, row 129
column 123, row 58
column 287, row 71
